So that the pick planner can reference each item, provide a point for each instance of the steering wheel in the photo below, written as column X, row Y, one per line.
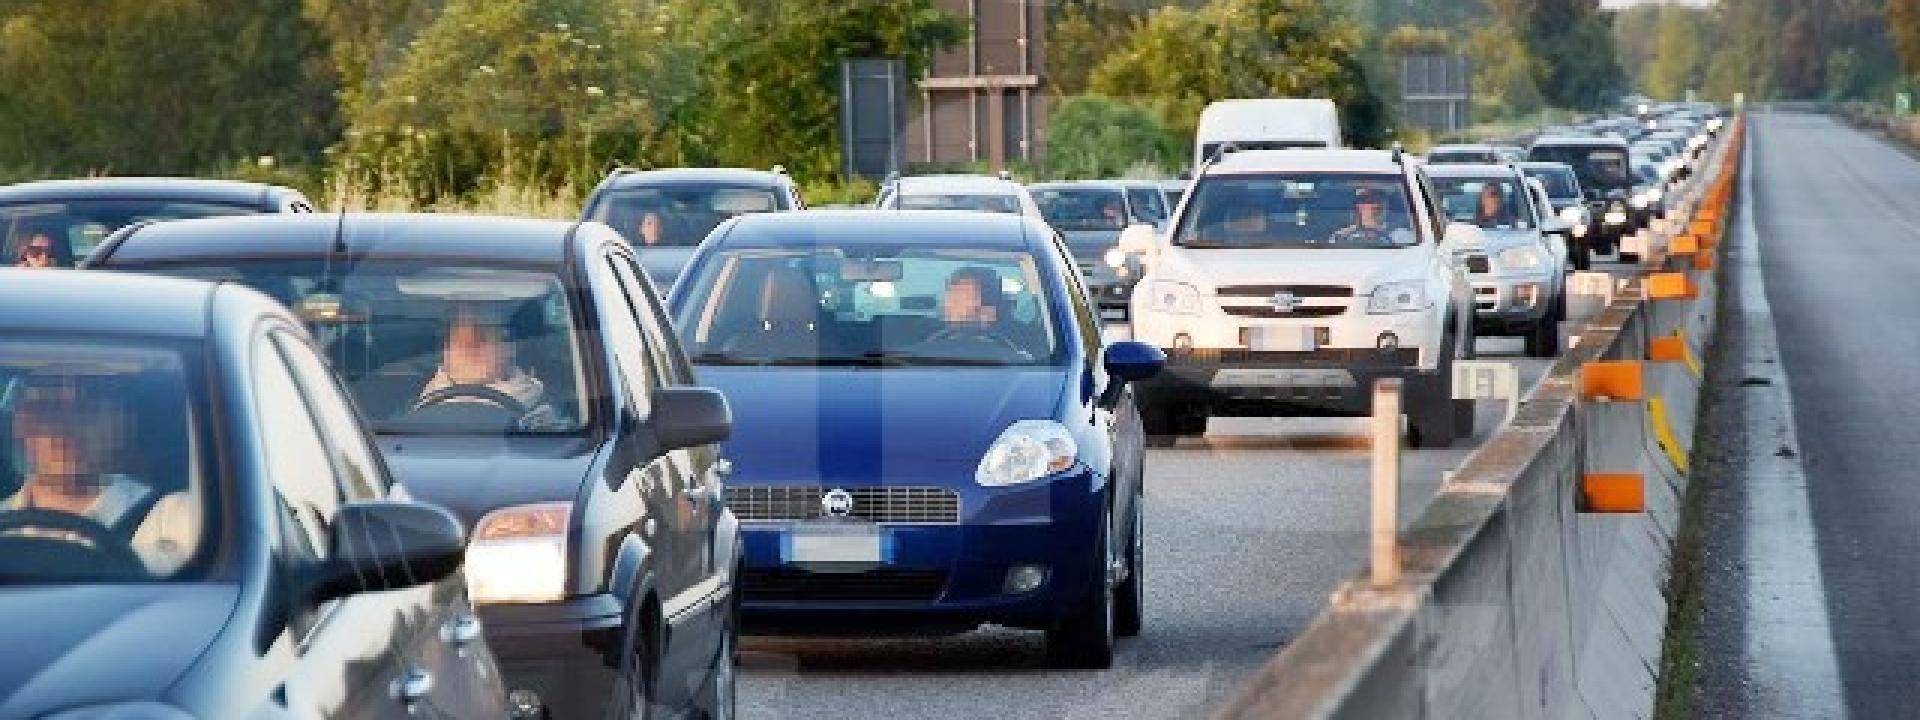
column 118, row 551
column 475, row 392
column 971, row 334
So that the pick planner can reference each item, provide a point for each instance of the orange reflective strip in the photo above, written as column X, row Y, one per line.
column 1667, row 349
column 1613, row 493
column 1683, row 245
column 1616, row 380
column 1670, row 286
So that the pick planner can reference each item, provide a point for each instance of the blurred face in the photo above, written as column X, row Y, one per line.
column 37, row 253
column 1111, row 210
column 963, row 304
column 1369, row 209
column 475, row 354
column 65, row 449
column 1490, row 202
column 650, row 229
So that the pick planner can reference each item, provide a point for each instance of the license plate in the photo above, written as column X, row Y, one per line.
column 1280, row 339
column 862, row 545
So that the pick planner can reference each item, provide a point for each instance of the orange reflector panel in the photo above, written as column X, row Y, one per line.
column 1703, row 261
column 1612, row 379
column 1670, row 286
column 1667, row 349
column 1684, row 245
column 1613, row 493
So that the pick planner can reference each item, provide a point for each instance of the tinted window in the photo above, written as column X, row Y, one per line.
column 1147, row 205
column 1300, row 210
column 71, row 230
column 1599, row 168
column 297, row 460
column 678, row 216
column 1082, row 208
column 1559, row 183
column 622, row 332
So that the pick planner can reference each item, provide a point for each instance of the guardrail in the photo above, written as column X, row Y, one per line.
column 1531, row 585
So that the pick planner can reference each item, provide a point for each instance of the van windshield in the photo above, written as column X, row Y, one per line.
column 1298, row 210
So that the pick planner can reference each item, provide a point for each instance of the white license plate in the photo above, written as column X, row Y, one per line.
column 850, row 547
column 1280, row 339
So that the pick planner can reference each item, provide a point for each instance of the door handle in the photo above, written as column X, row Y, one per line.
column 462, row 630
column 413, row 686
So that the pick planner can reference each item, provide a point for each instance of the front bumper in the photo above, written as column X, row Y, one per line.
column 1504, row 305
column 1235, row 382
column 938, row 578
column 564, row 652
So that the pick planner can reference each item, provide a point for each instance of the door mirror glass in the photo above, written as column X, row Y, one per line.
column 380, row 545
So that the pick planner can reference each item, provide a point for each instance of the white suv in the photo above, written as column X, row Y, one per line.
column 1291, row 280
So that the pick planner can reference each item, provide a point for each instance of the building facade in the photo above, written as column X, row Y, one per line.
column 983, row 101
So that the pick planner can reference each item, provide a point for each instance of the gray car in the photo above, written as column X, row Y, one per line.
column 665, row 214
column 1090, row 216
column 1519, row 277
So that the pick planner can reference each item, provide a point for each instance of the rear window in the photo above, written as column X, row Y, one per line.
column 1598, row 167
column 69, row 231
column 678, row 216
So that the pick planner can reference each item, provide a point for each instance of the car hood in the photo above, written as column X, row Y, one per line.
column 1497, row 240
column 79, row 645
column 1360, row 269
column 663, row 264
column 1090, row 244
column 853, row 426
column 473, row 475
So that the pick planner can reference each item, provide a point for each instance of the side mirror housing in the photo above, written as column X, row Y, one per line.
column 1133, row 361
column 685, row 417
column 1139, row 240
column 381, row 545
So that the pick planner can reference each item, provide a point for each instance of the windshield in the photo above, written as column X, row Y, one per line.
column 677, row 216
column 435, row 347
column 1303, row 210
column 60, row 234
column 869, row 306
column 1558, row 182
column 1445, row 157
column 1489, row 203
column 1599, row 168
column 102, row 471
column 1006, row 204
column 1082, row 208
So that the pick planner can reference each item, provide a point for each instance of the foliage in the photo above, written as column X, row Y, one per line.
column 1573, row 46
column 1096, row 137
column 1678, row 57
column 1504, row 86
column 1903, row 30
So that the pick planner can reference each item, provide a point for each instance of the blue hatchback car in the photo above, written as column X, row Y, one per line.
column 929, row 431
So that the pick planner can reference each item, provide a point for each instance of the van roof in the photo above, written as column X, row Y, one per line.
column 1305, row 160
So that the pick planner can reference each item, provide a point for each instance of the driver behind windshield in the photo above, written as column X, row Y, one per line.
column 1369, row 221
column 72, row 446
column 478, row 366
column 972, row 317
column 1492, row 211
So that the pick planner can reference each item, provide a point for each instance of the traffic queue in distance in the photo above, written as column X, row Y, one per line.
column 384, row 465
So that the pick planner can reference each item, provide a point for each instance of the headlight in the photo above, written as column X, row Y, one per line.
column 519, row 555
column 1177, row 298
column 1520, row 258
column 1116, row 258
column 1027, row 451
column 137, row 710
column 1398, row 297
column 1654, row 195
column 1572, row 215
column 1580, row 230
column 1640, row 201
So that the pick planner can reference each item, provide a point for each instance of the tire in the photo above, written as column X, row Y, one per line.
column 1130, row 597
column 1430, row 409
column 1192, row 423
column 717, row 696
column 1543, row 341
column 1465, row 417
column 635, row 680
column 1159, row 424
column 1084, row 640
column 1629, row 258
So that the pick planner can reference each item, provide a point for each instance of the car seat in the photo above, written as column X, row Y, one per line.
column 787, row 319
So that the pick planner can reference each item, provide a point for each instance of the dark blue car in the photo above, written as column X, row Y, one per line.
column 929, row 434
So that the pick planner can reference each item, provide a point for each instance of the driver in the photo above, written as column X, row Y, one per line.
column 1111, row 211
column 1369, row 221
column 71, row 445
column 971, row 312
column 650, row 228
column 1492, row 211
column 478, row 354
column 36, row 253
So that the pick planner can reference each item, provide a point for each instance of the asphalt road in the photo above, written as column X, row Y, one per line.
column 1249, row 529
column 1839, row 232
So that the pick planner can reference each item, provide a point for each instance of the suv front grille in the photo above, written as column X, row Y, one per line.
column 1267, row 313
column 1300, row 291
column 884, row 504
column 1478, row 265
column 875, row 586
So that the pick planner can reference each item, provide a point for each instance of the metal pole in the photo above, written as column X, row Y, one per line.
column 1385, row 534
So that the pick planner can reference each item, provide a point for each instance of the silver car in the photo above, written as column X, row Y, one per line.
column 1519, row 276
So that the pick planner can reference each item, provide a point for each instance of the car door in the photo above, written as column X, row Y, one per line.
column 348, row 653
column 448, row 661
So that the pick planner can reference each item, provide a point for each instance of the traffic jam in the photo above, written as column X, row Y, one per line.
column 310, row 463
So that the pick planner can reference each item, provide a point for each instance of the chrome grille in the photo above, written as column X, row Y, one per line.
column 1301, row 291
column 885, row 504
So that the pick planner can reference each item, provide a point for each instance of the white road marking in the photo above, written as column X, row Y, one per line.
column 1789, row 643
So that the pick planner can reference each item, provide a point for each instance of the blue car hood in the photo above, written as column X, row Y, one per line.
column 865, row 426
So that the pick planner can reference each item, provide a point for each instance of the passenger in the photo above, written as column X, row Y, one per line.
column 1369, row 221
column 1492, row 212
column 477, row 361
column 36, row 253
column 650, row 226
column 72, row 446
column 1114, row 214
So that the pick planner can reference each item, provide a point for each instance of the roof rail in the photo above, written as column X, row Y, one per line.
column 779, row 169
column 1399, row 153
column 1004, row 174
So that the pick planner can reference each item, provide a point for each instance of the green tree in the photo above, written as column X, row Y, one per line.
column 1573, row 45
column 1903, row 27
column 1503, row 82
column 1096, row 137
column 1678, row 55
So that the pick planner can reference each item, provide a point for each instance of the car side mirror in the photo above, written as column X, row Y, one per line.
column 1129, row 361
column 1139, row 239
column 685, row 417
column 378, row 545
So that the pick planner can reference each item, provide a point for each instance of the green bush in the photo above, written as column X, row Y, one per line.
column 1091, row 137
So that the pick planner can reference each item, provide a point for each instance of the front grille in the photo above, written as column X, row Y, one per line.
column 1477, row 264
column 885, row 504
column 1267, row 313
column 1324, row 357
column 875, row 586
column 1301, row 291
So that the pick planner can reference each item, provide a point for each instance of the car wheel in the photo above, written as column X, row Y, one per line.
column 1130, row 598
column 1084, row 640
column 636, row 676
column 1430, row 409
column 1583, row 258
column 1159, row 424
column 1543, row 341
column 1192, row 423
column 717, row 702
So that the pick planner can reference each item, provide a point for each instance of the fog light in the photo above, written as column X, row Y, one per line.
column 1025, row 578
column 1387, row 341
column 1528, row 295
column 524, row 705
column 1183, row 341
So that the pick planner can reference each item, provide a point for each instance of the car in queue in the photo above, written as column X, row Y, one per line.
column 1090, row 216
column 931, row 432
column 1519, row 271
column 1562, row 187
column 1293, row 280
column 976, row 193
column 56, row 223
column 1465, row 154
column 664, row 214
column 522, row 374
column 194, row 522
column 1604, row 168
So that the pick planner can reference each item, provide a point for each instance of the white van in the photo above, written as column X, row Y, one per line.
column 1272, row 124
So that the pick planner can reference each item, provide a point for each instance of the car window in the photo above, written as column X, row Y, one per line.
column 298, row 464
column 1082, row 208
column 662, row 345
column 71, row 230
column 1081, row 301
column 1298, row 210
column 677, row 216
column 638, row 372
column 869, row 305
column 1598, row 168
column 1148, row 206
column 431, row 346
column 359, row 469
column 1489, row 203
column 1559, row 183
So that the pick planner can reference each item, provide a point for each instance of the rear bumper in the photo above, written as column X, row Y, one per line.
column 1276, row 384
column 564, row 651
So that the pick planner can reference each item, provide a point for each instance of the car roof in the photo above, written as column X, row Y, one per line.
column 696, row 176
column 366, row 235
column 1117, row 185
column 182, row 189
column 66, row 302
column 1579, row 142
column 1469, row 170
column 956, row 183
column 1305, row 160
column 847, row 227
